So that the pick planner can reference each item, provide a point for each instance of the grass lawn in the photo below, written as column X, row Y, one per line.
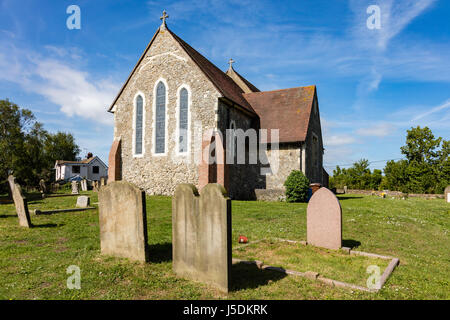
column 33, row 262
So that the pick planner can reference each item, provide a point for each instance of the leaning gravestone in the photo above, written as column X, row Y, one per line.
column 324, row 220
column 201, row 232
column 123, row 221
column 20, row 203
column 83, row 202
column 84, row 186
column 75, row 188
column 447, row 194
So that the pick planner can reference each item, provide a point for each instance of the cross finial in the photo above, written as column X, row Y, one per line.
column 164, row 17
column 231, row 63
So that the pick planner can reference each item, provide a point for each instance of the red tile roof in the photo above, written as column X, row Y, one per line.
column 288, row 110
column 221, row 81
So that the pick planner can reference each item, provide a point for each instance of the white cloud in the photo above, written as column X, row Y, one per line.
column 379, row 130
column 434, row 110
column 338, row 140
column 73, row 90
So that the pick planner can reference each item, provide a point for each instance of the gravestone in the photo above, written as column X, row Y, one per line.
column 345, row 189
column 83, row 202
column 20, row 203
column 84, row 186
column 123, row 221
column 42, row 186
column 447, row 194
column 102, row 182
column 75, row 188
column 324, row 220
column 201, row 234
column 95, row 186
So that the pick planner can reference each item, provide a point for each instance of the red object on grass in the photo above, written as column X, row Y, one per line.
column 243, row 239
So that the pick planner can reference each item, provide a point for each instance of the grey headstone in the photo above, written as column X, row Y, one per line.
column 83, row 202
column 20, row 203
column 42, row 186
column 123, row 221
column 447, row 194
column 75, row 188
column 201, row 230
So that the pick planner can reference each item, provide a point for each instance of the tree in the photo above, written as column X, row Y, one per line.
column 427, row 165
column 27, row 149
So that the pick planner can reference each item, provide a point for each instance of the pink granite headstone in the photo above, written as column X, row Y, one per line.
column 324, row 220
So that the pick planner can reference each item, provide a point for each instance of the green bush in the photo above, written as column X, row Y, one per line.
column 297, row 185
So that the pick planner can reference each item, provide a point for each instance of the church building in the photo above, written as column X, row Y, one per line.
column 174, row 95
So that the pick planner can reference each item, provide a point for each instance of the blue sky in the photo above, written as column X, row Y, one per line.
column 373, row 84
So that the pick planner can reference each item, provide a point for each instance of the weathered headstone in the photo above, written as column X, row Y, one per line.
column 123, row 221
column 447, row 194
column 345, row 189
column 84, row 186
column 102, row 182
column 201, row 230
column 324, row 220
column 95, row 186
column 83, row 202
column 42, row 186
column 20, row 203
column 75, row 187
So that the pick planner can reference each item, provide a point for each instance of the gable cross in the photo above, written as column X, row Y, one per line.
column 164, row 17
column 231, row 63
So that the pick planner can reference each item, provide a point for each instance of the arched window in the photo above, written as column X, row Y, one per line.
column 160, row 119
column 184, row 121
column 139, row 125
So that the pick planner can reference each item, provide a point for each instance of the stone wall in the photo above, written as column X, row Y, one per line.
column 164, row 60
column 314, row 171
column 397, row 194
column 289, row 160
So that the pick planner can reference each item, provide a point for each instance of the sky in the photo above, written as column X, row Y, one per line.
column 373, row 83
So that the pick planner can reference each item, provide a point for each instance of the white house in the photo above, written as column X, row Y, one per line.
column 91, row 169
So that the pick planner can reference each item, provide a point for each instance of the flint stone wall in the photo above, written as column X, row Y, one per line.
column 123, row 221
column 201, row 227
column 162, row 173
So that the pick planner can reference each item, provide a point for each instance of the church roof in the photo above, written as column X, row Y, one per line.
column 288, row 110
column 221, row 81
column 241, row 81
column 224, row 84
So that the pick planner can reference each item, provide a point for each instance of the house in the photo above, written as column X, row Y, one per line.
column 174, row 95
column 92, row 168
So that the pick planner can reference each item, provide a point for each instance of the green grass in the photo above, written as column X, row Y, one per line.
column 33, row 262
column 331, row 264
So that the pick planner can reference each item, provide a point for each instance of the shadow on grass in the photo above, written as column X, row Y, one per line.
column 5, row 216
column 160, row 252
column 348, row 198
column 350, row 243
column 48, row 225
column 248, row 276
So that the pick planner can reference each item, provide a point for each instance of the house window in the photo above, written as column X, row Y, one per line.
column 76, row 169
column 96, row 170
column 160, row 119
column 183, row 125
column 139, row 118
